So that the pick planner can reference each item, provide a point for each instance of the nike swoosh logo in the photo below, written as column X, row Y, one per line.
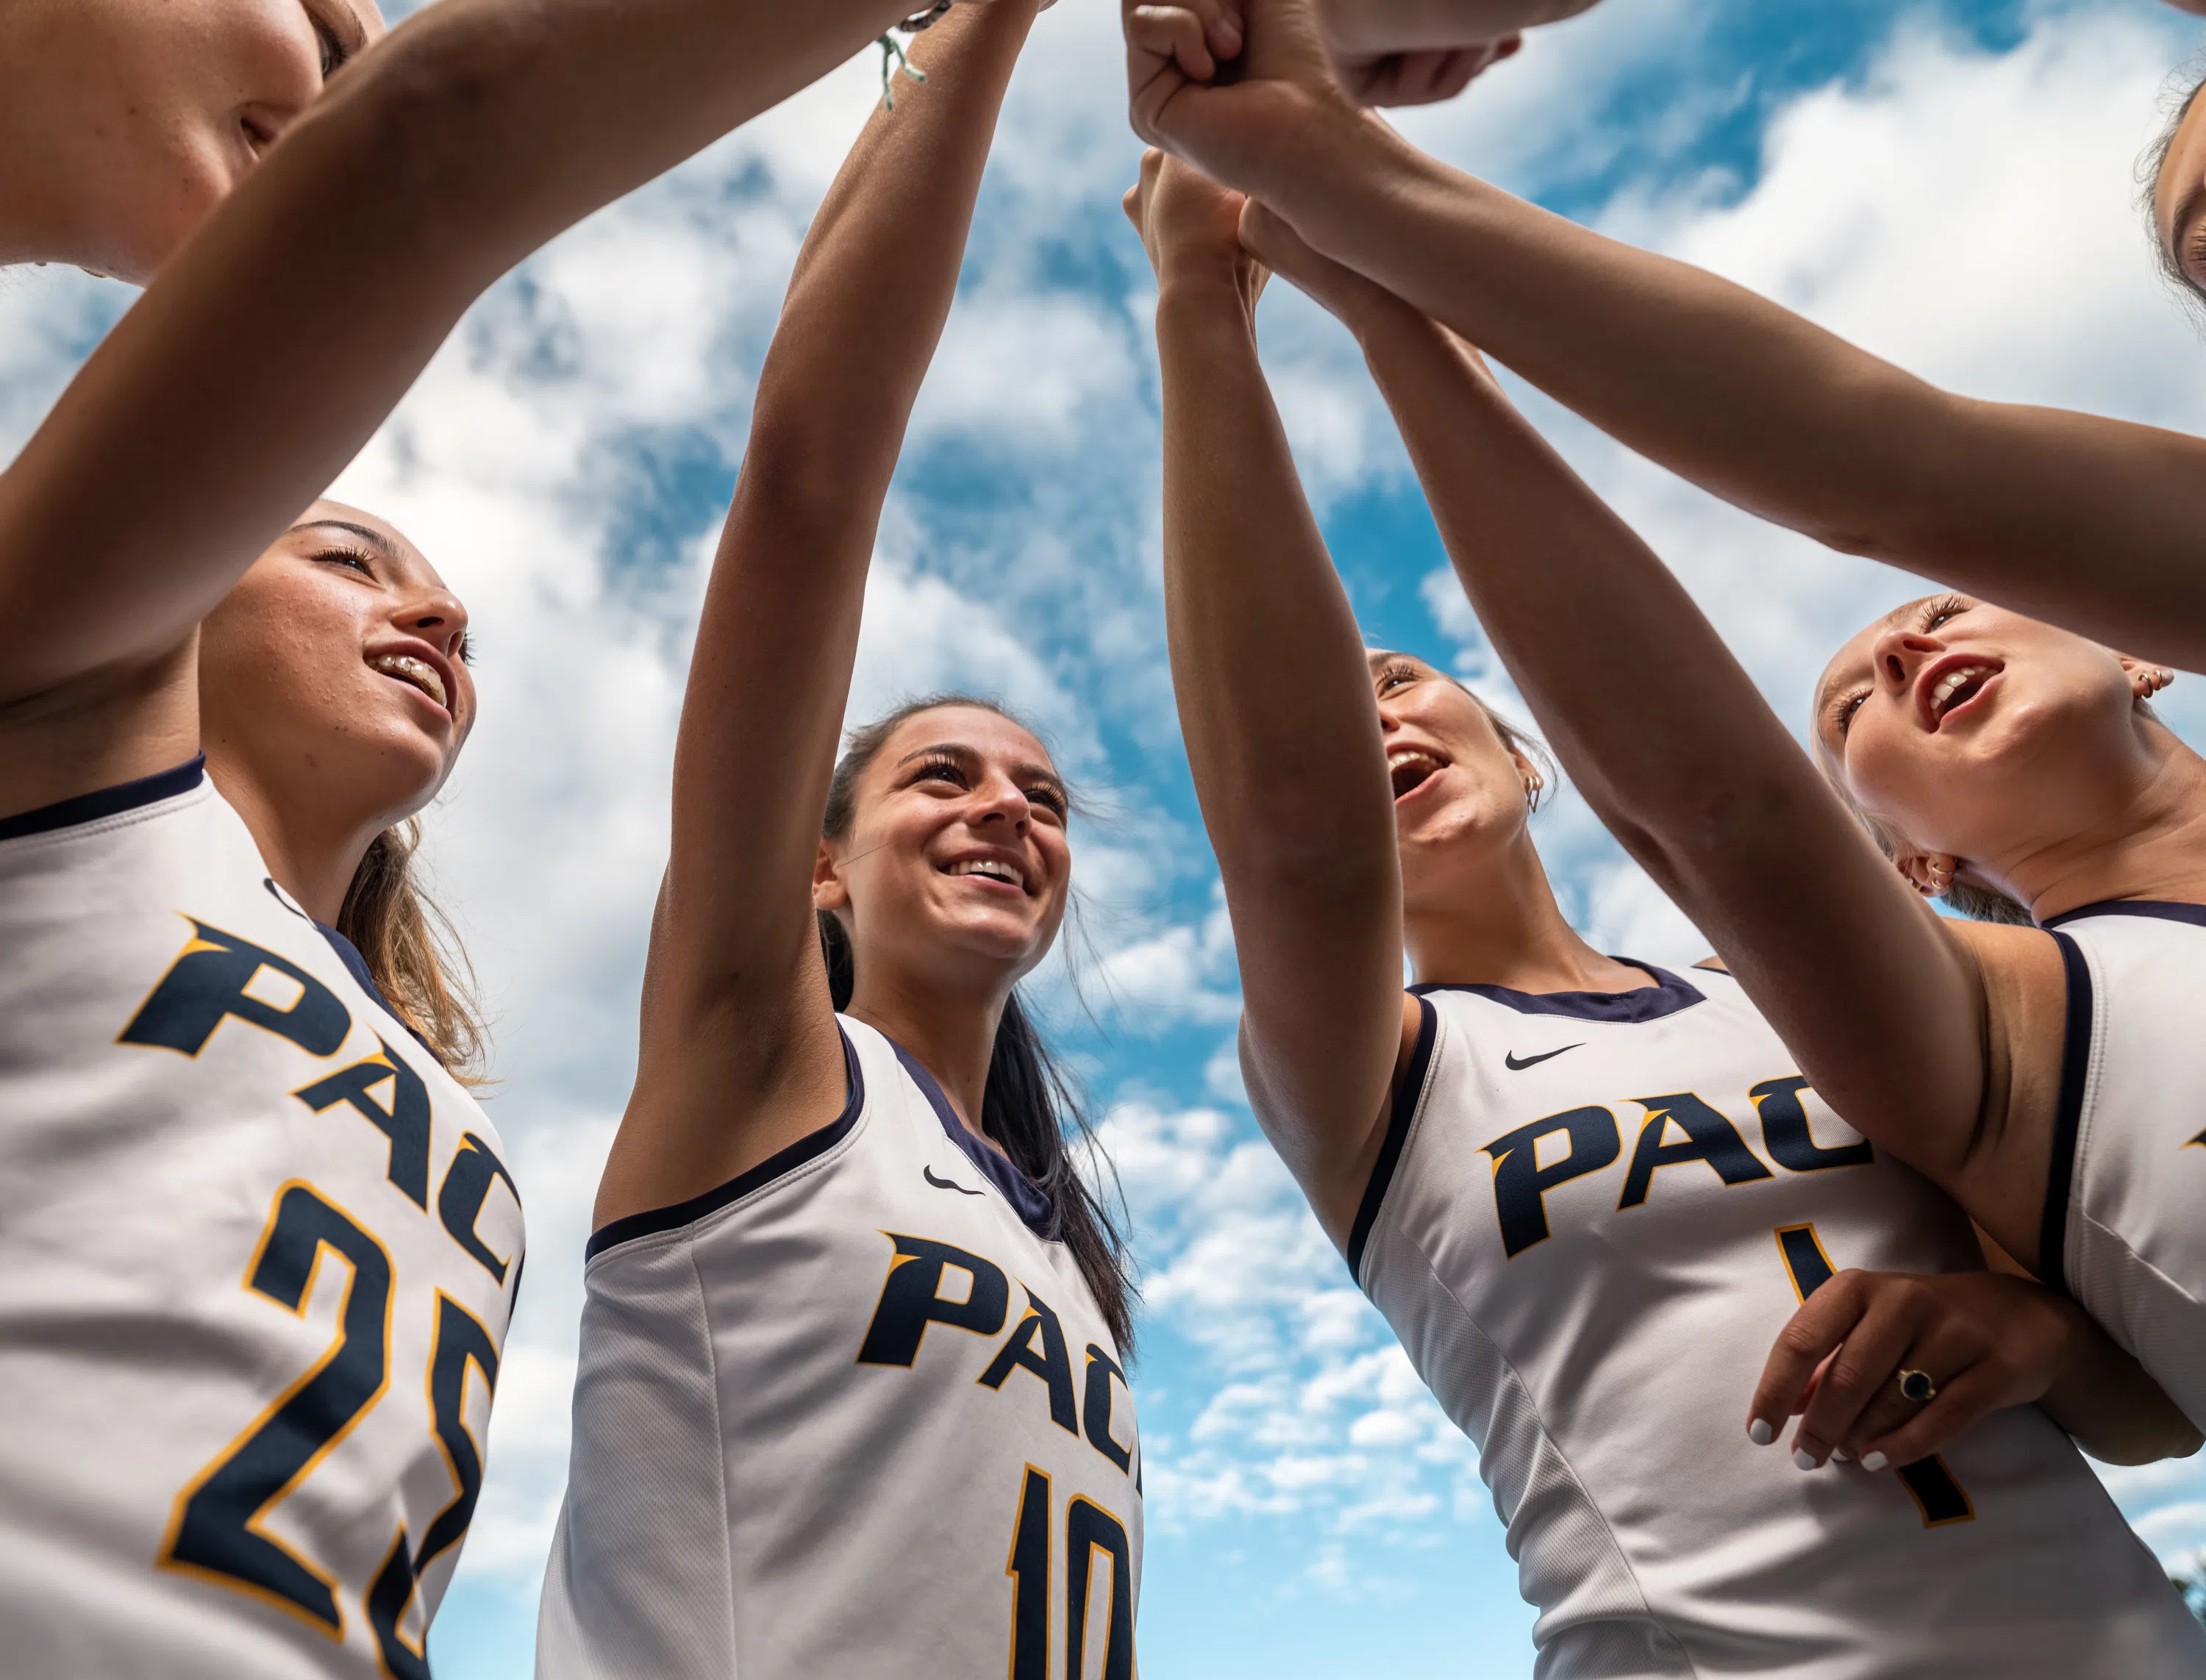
column 927, row 1173
column 1510, row 1061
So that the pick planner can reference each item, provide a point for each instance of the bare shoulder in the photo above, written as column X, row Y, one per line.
column 2025, row 992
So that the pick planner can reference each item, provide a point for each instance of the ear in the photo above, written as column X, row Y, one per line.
column 828, row 893
column 1528, row 774
column 1930, row 873
column 2145, row 681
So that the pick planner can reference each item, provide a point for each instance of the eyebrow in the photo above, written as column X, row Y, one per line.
column 374, row 539
column 344, row 19
column 959, row 750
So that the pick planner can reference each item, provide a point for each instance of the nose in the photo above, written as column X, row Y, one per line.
column 437, row 617
column 1900, row 654
column 999, row 799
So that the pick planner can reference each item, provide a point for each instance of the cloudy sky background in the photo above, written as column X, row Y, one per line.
column 1948, row 181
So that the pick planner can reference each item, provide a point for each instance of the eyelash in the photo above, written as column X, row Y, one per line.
column 335, row 54
column 1407, row 673
column 357, row 559
column 948, row 769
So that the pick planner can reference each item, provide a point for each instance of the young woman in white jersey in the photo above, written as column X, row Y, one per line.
column 852, row 1396
column 256, row 1249
column 1739, row 395
column 1585, row 1191
column 2009, row 766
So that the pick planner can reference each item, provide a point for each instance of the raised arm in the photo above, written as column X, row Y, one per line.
column 739, row 1055
column 2080, row 521
column 273, row 344
column 1276, row 708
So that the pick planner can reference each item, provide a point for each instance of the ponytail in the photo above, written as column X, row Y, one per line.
column 1029, row 1107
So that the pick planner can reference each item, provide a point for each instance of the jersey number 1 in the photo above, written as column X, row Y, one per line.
column 1940, row 1497
column 1088, row 1529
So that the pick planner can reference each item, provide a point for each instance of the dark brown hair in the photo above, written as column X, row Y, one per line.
column 1030, row 1106
column 411, row 950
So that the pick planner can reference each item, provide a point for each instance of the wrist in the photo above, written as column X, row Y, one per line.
column 1342, row 160
column 1199, row 285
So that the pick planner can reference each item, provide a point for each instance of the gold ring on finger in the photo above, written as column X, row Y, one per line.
column 1918, row 1386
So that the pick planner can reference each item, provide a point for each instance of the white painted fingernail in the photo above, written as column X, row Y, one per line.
column 1875, row 1461
column 1803, row 1458
column 1760, row 1433
column 1841, row 1455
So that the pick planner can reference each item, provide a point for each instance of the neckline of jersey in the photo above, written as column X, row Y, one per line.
column 1028, row 1199
column 104, row 802
column 2159, row 909
column 1668, row 995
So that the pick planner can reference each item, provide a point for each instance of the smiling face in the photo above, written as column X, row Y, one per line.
column 143, row 114
column 955, row 867
column 336, row 671
column 1460, row 790
column 1976, row 732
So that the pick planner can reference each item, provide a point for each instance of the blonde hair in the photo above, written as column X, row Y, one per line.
column 413, row 953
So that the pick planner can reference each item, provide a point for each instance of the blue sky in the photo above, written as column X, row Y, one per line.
column 1949, row 183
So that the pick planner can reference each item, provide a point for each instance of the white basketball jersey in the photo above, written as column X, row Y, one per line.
column 2123, row 1207
column 852, row 1415
column 1591, row 1216
column 257, row 1252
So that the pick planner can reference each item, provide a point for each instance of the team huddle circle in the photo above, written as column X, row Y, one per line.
column 1783, row 1292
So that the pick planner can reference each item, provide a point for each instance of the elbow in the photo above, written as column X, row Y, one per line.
column 2178, row 1438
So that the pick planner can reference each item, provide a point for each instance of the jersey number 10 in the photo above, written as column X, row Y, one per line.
column 1088, row 1529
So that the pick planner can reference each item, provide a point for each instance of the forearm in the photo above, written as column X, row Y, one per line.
column 1672, row 746
column 2104, row 1399
column 875, row 281
column 1772, row 413
column 1274, row 690
column 271, row 347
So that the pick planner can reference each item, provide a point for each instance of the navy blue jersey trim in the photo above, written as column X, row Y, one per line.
column 1667, row 996
column 1404, row 1110
column 2161, row 910
column 2067, row 1117
column 92, row 808
column 1036, row 1212
column 356, row 965
column 810, row 1147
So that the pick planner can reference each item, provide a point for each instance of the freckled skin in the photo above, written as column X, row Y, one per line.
column 123, row 123
column 299, row 730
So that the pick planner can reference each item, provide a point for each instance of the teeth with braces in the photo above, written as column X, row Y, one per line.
column 418, row 672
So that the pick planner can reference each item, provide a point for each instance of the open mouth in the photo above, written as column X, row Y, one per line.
column 1408, row 769
column 1952, row 686
column 415, row 673
column 990, row 869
